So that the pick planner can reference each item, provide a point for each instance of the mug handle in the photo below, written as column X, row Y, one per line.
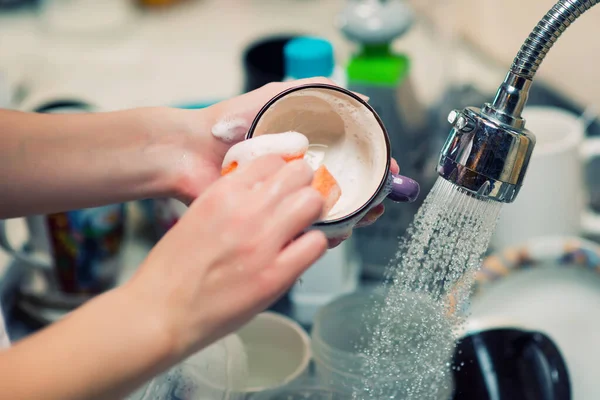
column 557, row 373
column 19, row 255
column 590, row 220
column 403, row 189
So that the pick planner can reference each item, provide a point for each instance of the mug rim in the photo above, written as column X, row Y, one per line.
column 354, row 96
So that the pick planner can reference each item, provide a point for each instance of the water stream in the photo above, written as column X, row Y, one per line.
column 427, row 289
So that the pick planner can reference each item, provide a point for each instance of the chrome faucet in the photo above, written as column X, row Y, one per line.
column 488, row 150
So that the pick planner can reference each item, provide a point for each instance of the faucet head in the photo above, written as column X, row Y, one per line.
column 486, row 153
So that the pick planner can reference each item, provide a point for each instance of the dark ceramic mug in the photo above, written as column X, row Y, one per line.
column 263, row 61
column 357, row 147
column 506, row 363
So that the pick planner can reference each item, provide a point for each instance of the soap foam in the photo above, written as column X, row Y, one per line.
column 354, row 152
column 358, row 160
column 287, row 143
column 230, row 129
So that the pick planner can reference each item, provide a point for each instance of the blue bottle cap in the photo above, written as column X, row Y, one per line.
column 308, row 57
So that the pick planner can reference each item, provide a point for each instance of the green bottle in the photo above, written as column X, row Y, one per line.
column 379, row 72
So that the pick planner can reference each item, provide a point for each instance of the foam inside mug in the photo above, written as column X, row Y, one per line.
column 343, row 134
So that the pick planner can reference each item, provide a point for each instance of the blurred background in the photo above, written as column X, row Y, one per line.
column 439, row 55
column 416, row 59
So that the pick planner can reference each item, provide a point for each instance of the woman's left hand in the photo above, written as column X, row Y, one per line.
column 207, row 134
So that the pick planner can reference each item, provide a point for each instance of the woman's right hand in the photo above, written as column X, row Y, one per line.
column 237, row 249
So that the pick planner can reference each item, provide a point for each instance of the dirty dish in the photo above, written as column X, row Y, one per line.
column 269, row 352
column 278, row 352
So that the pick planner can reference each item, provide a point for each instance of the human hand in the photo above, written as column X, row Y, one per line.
column 209, row 133
column 212, row 131
column 237, row 249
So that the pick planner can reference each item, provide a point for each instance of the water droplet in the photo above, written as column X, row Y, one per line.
column 428, row 285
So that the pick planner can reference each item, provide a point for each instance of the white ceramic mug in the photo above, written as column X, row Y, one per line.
column 552, row 200
column 271, row 350
column 345, row 134
column 277, row 351
column 206, row 375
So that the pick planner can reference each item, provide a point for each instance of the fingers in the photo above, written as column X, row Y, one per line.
column 332, row 243
column 246, row 106
column 308, row 81
column 394, row 167
column 371, row 216
column 296, row 258
column 232, row 118
column 257, row 171
column 368, row 219
column 292, row 177
column 321, row 80
column 293, row 215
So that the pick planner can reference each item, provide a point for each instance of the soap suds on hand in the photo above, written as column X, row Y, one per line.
column 230, row 130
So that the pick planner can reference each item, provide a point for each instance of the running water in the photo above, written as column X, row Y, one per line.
column 428, row 285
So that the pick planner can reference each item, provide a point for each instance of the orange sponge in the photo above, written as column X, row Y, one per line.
column 326, row 184
column 234, row 164
column 323, row 182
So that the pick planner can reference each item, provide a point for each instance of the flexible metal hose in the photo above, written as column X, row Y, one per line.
column 546, row 33
column 488, row 151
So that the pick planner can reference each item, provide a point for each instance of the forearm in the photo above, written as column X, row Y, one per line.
column 102, row 351
column 57, row 162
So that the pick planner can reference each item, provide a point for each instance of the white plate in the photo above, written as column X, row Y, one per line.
column 551, row 285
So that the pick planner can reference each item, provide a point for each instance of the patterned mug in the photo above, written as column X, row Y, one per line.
column 76, row 251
